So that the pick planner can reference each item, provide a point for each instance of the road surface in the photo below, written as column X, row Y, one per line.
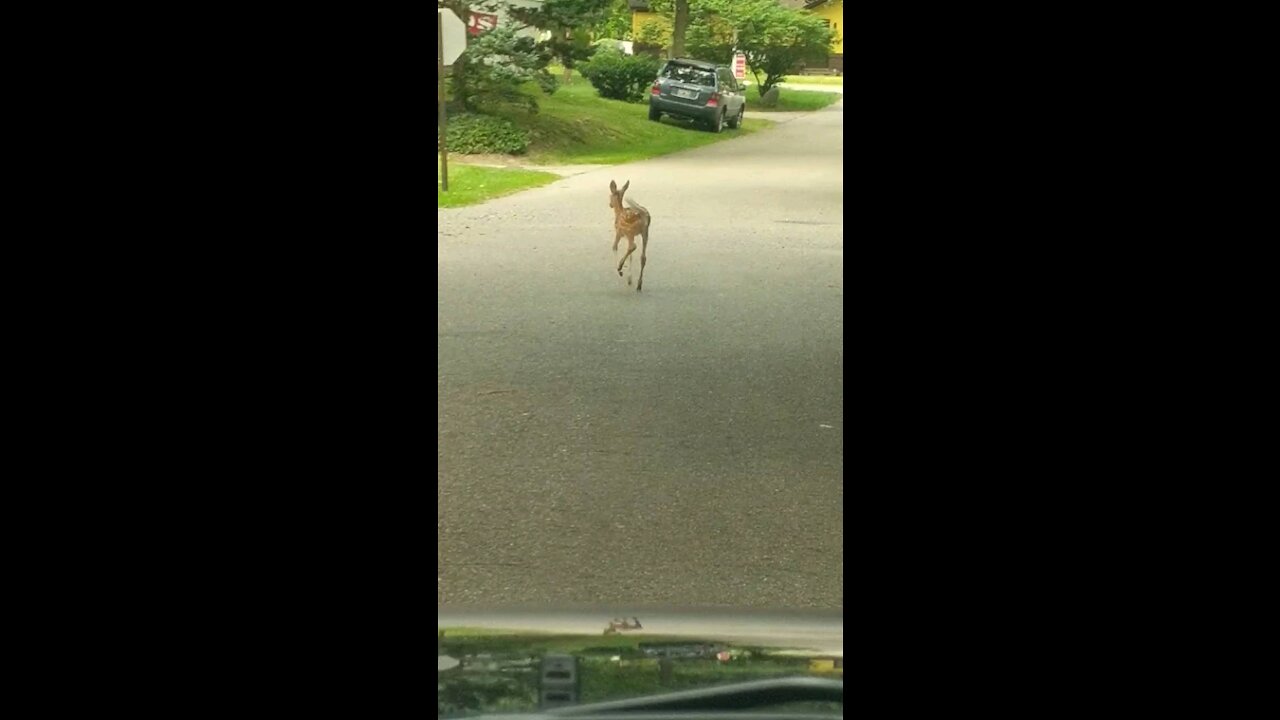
column 682, row 445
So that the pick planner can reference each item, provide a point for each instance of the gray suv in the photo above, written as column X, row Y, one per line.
column 700, row 90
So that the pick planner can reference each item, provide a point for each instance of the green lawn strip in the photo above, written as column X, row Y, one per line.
column 815, row 80
column 577, row 126
column 471, row 184
column 802, row 79
column 790, row 100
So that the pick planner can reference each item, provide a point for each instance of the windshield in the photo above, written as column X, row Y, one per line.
column 689, row 74
column 639, row 349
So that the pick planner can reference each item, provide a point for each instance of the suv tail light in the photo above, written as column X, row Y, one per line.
column 714, row 100
column 655, row 89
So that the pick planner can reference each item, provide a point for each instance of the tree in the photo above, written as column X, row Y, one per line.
column 781, row 41
column 712, row 37
column 653, row 35
column 568, row 22
column 494, row 66
column 617, row 24
column 679, row 28
column 774, row 38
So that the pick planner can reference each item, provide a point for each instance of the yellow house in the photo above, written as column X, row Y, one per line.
column 641, row 15
column 827, row 665
column 832, row 11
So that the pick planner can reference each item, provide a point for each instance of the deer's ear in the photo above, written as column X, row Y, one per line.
column 625, row 186
column 613, row 186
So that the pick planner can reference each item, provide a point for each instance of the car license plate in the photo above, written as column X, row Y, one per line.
column 689, row 94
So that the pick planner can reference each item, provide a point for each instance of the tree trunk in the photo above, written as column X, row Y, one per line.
column 678, row 31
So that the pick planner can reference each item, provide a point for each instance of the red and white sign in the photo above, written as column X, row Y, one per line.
column 740, row 66
column 478, row 22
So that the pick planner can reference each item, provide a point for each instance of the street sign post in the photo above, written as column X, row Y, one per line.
column 740, row 66
column 451, row 40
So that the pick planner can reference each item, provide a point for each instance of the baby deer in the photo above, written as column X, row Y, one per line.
column 629, row 222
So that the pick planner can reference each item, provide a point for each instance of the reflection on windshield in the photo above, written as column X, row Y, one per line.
column 691, row 75
column 482, row 671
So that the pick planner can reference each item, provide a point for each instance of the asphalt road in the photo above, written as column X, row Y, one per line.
column 682, row 445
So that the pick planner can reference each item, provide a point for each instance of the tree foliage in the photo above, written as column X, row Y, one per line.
column 773, row 37
column 711, row 37
column 617, row 24
column 655, row 33
column 569, row 23
column 496, row 63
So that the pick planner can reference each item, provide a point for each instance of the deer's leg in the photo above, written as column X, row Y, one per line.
column 617, row 236
column 631, row 242
column 644, row 256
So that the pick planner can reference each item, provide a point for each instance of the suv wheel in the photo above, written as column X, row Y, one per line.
column 718, row 124
column 654, row 115
column 736, row 122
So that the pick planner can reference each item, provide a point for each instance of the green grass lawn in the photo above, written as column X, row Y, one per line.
column 802, row 79
column 471, row 184
column 790, row 100
column 577, row 126
column 815, row 79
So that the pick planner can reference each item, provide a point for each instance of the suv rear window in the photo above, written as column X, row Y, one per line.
column 689, row 74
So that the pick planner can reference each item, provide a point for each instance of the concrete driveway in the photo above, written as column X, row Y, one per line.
column 682, row 445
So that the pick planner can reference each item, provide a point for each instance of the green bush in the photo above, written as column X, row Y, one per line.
column 621, row 77
column 472, row 133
